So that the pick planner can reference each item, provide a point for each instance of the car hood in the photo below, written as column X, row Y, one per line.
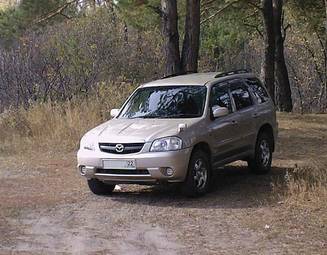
column 138, row 130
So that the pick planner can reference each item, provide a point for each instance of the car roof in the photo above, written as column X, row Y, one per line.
column 195, row 79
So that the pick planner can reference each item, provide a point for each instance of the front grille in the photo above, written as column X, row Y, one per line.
column 123, row 171
column 125, row 148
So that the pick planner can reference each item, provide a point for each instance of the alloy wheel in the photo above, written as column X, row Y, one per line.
column 264, row 153
column 200, row 174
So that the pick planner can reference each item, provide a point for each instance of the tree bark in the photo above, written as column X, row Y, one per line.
column 268, row 65
column 171, row 36
column 326, row 19
column 191, row 44
column 284, row 97
column 325, row 103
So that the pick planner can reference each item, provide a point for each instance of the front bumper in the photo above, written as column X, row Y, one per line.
column 90, row 165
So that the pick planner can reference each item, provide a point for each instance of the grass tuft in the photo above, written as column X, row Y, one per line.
column 306, row 184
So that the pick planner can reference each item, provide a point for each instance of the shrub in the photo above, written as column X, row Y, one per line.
column 58, row 125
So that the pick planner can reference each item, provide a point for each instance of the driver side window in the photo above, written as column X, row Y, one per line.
column 220, row 97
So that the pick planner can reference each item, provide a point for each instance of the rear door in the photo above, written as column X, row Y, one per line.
column 244, row 106
column 223, row 131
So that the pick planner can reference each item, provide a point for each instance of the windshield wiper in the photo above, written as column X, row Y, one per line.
column 181, row 116
column 153, row 116
column 149, row 116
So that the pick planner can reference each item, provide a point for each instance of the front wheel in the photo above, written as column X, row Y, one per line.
column 198, row 176
column 100, row 188
column 261, row 163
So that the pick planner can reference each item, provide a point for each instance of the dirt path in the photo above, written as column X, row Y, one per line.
column 75, row 229
column 46, row 208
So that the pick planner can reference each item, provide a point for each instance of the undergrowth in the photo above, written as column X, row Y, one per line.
column 58, row 125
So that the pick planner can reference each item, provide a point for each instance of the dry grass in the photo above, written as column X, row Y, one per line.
column 57, row 125
column 307, row 185
column 302, row 149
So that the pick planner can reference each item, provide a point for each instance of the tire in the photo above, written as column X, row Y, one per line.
column 100, row 188
column 199, row 175
column 261, row 163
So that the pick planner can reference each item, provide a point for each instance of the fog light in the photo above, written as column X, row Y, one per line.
column 169, row 171
column 83, row 170
column 87, row 171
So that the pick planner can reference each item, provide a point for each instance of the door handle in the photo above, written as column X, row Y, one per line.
column 234, row 122
column 255, row 115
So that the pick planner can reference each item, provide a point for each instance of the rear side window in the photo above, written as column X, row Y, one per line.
column 220, row 97
column 258, row 90
column 241, row 97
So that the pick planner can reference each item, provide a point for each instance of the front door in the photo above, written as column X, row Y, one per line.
column 223, row 131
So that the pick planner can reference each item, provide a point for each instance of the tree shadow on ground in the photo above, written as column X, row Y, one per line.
column 233, row 187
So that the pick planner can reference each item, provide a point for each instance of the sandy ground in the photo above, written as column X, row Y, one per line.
column 46, row 208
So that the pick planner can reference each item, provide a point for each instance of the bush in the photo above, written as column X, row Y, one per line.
column 72, row 58
column 58, row 125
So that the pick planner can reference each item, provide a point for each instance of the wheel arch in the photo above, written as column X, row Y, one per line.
column 203, row 146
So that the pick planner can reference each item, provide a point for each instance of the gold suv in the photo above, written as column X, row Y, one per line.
column 180, row 129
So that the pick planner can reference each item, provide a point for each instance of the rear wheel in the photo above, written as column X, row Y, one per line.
column 100, row 188
column 198, row 176
column 261, row 163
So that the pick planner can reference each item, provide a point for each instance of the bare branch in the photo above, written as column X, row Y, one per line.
column 219, row 11
column 249, row 2
column 288, row 26
column 255, row 27
column 55, row 12
column 204, row 3
column 66, row 16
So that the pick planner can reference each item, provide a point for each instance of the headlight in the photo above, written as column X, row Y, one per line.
column 87, row 144
column 166, row 144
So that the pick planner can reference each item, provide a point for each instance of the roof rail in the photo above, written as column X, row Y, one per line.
column 169, row 76
column 239, row 71
column 177, row 74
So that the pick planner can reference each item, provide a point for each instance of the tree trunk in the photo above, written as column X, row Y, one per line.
column 325, row 103
column 191, row 44
column 326, row 19
column 171, row 36
column 284, row 90
column 268, row 65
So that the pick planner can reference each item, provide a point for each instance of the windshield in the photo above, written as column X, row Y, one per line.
column 166, row 102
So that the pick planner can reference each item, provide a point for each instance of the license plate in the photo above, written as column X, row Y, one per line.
column 119, row 164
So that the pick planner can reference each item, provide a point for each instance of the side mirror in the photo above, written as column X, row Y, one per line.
column 219, row 111
column 114, row 112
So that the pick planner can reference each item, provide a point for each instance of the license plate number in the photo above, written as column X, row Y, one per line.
column 119, row 164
